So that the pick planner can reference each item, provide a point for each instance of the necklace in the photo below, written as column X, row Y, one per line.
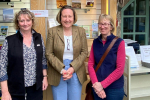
column 67, row 39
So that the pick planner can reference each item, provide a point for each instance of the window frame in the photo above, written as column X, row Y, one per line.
column 146, row 16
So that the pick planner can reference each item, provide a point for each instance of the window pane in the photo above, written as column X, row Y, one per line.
column 128, row 37
column 128, row 25
column 140, row 24
column 140, row 7
column 129, row 10
column 140, row 39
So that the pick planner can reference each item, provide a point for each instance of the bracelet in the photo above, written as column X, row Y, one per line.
column 45, row 75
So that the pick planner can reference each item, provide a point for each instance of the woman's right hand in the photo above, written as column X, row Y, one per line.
column 6, row 96
column 5, row 93
column 66, row 75
column 99, row 90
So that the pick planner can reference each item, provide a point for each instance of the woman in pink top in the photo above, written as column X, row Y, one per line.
column 108, row 81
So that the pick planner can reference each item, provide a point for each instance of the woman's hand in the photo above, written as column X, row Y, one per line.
column 101, row 94
column 99, row 90
column 6, row 96
column 5, row 93
column 45, row 83
column 68, row 73
column 97, row 86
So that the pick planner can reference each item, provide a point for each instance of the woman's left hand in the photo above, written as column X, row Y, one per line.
column 45, row 83
column 70, row 70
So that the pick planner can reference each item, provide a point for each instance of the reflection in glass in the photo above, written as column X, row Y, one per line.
column 140, row 38
column 128, row 24
column 129, row 10
column 140, row 7
column 140, row 24
column 128, row 37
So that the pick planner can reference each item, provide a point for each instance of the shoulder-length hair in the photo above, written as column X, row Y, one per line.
column 58, row 17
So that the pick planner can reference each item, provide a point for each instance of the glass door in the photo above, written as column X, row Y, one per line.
column 149, row 22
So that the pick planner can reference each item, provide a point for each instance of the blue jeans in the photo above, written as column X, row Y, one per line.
column 68, row 89
column 111, row 94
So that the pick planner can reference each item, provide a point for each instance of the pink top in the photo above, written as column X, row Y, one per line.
column 116, row 74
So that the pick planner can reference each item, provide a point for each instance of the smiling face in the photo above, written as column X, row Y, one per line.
column 67, row 18
column 105, row 27
column 24, row 22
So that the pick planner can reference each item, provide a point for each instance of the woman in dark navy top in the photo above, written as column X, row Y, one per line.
column 108, row 82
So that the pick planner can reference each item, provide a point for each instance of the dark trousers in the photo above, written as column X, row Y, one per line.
column 31, row 94
column 111, row 94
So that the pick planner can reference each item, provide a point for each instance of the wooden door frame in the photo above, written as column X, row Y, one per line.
column 40, row 26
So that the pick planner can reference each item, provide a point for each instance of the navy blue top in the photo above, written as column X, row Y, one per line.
column 109, row 63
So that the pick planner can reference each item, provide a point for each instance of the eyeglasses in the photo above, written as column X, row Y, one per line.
column 103, row 24
column 68, row 44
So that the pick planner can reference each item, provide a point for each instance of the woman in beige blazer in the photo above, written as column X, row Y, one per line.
column 66, row 50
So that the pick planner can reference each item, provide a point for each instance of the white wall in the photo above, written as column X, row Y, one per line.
column 83, row 18
column 17, row 7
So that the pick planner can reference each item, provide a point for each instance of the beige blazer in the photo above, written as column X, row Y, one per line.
column 54, row 53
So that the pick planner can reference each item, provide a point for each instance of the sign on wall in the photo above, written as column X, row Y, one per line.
column 40, row 13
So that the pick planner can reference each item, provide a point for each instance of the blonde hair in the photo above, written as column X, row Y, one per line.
column 107, row 17
column 58, row 17
column 23, row 11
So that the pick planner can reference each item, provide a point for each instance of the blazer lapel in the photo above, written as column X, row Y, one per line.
column 60, row 33
column 74, row 33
